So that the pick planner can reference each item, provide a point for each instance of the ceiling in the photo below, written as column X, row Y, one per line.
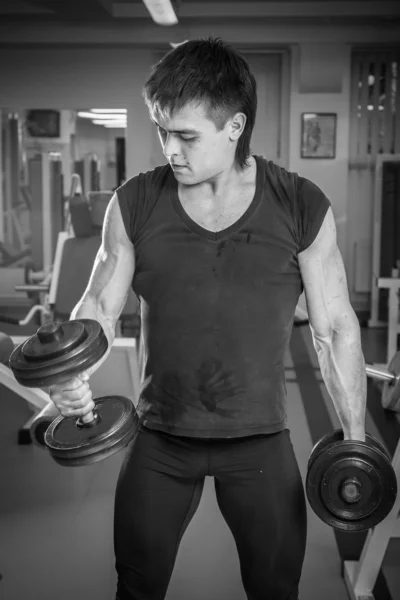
column 120, row 11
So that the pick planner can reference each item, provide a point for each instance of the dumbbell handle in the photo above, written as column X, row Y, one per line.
column 88, row 420
column 379, row 373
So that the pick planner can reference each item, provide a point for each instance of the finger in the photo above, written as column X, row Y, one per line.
column 79, row 403
column 71, row 394
column 78, row 412
column 79, row 409
column 72, row 382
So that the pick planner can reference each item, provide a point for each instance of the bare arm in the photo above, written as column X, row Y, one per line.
column 111, row 277
column 335, row 329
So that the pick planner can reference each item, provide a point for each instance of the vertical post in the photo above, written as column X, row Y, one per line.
column 393, row 317
column 1, row 179
column 13, row 126
column 36, row 185
column 376, row 236
column 56, row 199
column 46, row 212
column 8, row 221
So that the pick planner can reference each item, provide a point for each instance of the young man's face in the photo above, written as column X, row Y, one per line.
column 192, row 145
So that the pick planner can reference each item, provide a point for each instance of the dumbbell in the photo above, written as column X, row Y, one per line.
column 55, row 353
column 351, row 485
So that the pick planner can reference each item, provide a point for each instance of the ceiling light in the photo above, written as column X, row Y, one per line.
column 90, row 115
column 109, row 110
column 161, row 12
column 115, row 125
column 112, row 123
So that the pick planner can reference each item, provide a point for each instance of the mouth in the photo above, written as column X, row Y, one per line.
column 177, row 167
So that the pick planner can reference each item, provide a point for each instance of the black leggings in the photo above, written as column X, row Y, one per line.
column 259, row 492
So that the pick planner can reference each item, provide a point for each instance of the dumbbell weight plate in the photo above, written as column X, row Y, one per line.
column 57, row 352
column 323, row 443
column 54, row 354
column 391, row 390
column 72, row 445
column 350, row 459
column 337, row 436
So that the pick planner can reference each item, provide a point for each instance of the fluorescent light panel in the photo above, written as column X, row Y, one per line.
column 109, row 110
column 107, row 117
column 90, row 115
column 112, row 123
column 161, row 11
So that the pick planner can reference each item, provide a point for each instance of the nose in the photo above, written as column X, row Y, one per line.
column 171, row 147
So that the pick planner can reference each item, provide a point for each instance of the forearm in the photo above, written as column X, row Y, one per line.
column 343, row 369
column 89, row 309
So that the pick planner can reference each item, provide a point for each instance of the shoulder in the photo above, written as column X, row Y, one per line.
column 299, row 189
column 138, row 196
column 144, row 181
column 276, row 173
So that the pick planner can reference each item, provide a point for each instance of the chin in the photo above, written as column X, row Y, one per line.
column 184, row 174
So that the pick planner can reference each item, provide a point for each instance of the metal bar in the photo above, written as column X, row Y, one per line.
column 35, row 396
column 377, row 373
column 32, row 288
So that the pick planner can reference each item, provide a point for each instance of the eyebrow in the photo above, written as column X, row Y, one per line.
column 177, row 130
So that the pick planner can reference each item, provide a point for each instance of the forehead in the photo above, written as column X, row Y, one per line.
column 191, row 115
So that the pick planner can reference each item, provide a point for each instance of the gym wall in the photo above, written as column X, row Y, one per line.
column 319, row 76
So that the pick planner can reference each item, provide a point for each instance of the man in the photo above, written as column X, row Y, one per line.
column 217, row 245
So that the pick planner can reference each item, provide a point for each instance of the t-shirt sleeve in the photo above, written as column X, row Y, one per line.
column 131, row 196
column 312, row 208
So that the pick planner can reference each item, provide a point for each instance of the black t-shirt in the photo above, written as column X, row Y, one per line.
column 217, row 309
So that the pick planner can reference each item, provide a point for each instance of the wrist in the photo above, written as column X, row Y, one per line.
column 354, row 434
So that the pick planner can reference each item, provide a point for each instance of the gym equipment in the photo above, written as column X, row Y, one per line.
column 98, row 202
column 351, row 485
column 9, row 257
column 6, row 348
column 391, row 378
column 55, row 353
column 46, row 187
column 88, row 169
column 41, row 422
column 80, row 443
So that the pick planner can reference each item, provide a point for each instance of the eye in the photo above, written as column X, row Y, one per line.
column 163, row 133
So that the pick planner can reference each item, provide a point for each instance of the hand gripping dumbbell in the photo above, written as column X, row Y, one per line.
column 55, row 353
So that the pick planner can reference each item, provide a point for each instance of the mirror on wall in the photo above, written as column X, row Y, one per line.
column 90, row 142
column 40, row 150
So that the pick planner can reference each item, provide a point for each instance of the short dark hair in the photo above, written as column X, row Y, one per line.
column 206, row 70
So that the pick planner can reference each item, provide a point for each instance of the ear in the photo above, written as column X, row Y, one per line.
column 237, row 125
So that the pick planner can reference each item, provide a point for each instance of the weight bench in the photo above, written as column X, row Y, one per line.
column 360, row 576
column 393, row 285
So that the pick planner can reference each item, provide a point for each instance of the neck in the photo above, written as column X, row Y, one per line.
column 220, row 185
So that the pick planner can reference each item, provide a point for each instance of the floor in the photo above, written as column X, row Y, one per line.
column 56, row 523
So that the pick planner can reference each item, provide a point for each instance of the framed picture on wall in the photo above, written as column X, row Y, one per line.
column 318, row 135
